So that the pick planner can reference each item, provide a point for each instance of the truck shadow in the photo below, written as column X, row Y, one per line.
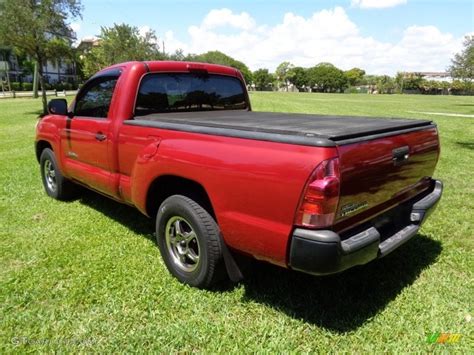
column 339, row 303
column 35, row 114
column 345, row 301
column 126, row 215
column 466, row 145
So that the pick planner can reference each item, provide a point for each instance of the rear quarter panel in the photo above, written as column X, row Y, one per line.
column 254, row 186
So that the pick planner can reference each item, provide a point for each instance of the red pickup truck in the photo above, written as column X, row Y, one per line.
column 179, row 141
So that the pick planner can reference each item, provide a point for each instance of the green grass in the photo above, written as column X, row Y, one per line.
column 87, row 276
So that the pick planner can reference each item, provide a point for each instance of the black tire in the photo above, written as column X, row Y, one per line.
column 55, row 184
column 180, row 213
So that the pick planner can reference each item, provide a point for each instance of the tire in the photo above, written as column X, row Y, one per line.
column 189, row 241
column 55, row 184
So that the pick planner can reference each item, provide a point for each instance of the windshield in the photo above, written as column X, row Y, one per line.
column 183, row 92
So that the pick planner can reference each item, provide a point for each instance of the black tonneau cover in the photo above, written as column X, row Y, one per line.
column 303, row 129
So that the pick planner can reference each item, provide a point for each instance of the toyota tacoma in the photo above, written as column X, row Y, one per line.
column 179, row 141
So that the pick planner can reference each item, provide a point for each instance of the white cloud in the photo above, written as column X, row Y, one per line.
column 172, row 43
column 143, row 30
column 75, row 26
column 325, row 36
column 377, row 4
column 225, row 17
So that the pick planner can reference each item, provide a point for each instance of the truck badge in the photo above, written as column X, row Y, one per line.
column 353, row 207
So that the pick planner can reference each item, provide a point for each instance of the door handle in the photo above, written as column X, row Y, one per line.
column 100, row 136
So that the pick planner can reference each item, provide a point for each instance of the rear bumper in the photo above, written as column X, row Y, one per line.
column 323, row 252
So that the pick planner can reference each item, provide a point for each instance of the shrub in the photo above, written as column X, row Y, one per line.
column 27, row 86
column 353, row 90
column 15, row 86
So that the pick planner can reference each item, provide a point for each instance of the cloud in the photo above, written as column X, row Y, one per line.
column 143, row 30
column 172, row 43
column 75, row 26
column 225, row 17
column 377, row 4
column 325, row 36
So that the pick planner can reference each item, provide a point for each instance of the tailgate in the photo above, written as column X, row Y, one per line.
column 379, row 173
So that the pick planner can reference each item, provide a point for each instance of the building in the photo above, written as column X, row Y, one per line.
column 60, row 71
column 431, row 75
column 87, row 43
column 437, row 76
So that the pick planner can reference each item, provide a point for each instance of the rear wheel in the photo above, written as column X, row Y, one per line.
column 55, row 184
column 189, row 241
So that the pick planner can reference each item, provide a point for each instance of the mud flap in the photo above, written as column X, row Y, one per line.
column 233, row 269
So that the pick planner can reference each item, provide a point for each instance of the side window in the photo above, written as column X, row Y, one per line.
column 94, row 101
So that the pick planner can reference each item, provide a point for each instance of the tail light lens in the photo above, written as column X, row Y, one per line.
column 318, row 204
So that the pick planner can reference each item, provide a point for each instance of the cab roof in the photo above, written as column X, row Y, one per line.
column 176, row 66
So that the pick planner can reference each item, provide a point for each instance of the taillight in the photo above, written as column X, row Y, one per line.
column 318, row 204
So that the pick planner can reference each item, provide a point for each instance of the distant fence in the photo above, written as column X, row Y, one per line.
column 21, row 94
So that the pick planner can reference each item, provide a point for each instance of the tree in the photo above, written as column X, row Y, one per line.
column 284, row 74
column 26, row 65
column 462, row 66
column 385, row 84
column 412, row 81
column 262, row 79
column 177, row 55
column 5, row 52
column 120, row 43
column 39, row 29
column 354, row 76
column 216, row 57
column 370, row 80
column 399, row 82
column 298, row 77
column 459, row 87
column 326, row 77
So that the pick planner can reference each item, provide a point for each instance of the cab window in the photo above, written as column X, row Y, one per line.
column 184, row 92
column 94, row 100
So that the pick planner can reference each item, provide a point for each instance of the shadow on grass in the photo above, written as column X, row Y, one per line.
column 467, row 145
column 127, row 216
column 35, row 113
column 342, row 302
column 339, row 303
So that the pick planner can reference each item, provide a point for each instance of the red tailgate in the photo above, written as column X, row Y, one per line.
column 379, row 173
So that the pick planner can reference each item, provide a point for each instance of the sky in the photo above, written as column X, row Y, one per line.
column 379, row 36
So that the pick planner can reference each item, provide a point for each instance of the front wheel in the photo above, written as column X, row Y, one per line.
column 55, row 184
column 189, row 242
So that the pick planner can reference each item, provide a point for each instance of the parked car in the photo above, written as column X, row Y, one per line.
column 179, row 141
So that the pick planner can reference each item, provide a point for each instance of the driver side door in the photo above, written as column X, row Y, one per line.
column 86, row 139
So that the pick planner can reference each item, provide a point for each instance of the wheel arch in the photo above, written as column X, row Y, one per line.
column 40, row 146
column 165, row 186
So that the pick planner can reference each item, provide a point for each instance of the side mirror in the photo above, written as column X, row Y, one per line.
column 58, row 107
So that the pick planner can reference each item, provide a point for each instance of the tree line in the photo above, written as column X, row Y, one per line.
column 39, row 31
column 325, row 77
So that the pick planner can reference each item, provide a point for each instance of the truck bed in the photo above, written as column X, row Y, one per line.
column 303, row 129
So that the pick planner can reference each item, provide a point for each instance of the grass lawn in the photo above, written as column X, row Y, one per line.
column 87, row 276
